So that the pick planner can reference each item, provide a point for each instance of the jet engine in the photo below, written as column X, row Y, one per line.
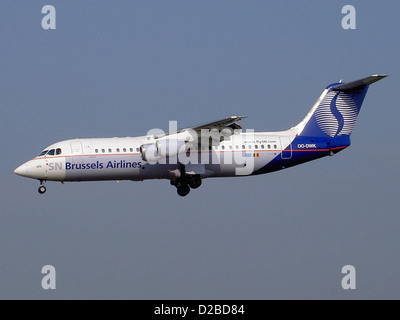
column 162, row 149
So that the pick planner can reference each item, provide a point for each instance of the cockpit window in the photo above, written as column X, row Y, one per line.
column 43, row 153
column 51, row 152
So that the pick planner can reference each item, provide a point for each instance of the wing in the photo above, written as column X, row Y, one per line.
column 230, row 122
column 225, row 126
column 227, row 123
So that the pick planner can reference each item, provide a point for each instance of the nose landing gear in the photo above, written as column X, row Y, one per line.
column 42, row 188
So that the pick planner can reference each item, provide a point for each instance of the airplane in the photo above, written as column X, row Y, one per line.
column 217, row 149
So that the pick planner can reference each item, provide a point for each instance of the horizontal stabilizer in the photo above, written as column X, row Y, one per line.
column 359, row 83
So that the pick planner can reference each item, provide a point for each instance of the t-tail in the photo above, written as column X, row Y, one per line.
column 334, row 114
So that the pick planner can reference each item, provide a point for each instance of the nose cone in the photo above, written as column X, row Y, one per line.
column 21, row 170
column 31, row 169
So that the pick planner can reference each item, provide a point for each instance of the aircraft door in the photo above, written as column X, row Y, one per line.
column 76, row 147
column 286, row 147
column 77, row 151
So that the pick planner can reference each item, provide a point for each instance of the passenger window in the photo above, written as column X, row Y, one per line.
column 256, row 147
column 102, row 150
column 275, row 146
column 117, row 149
column 223, row 147
column 109, row 150
column 124, row 149
column 96, row 150
column 51, row 152
column 243, row 147
column 269, row 146
column 58, row 151
column 262, row 146
column 249, row 146
column 237, row 147
column 230, row 147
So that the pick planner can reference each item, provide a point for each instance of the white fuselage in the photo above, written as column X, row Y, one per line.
column 120, row 159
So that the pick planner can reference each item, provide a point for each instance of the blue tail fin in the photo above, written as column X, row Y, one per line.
column 335, row 112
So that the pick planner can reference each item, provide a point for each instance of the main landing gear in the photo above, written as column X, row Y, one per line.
column 185, row 183
column 42, row 188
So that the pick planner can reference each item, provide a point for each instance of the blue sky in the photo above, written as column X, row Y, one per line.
column 118, row 68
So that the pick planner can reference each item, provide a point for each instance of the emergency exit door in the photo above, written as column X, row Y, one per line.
column 286, row 147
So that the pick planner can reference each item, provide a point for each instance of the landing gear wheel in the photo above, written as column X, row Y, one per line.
column 183, row 190
column 194, row 182
column 42, row 189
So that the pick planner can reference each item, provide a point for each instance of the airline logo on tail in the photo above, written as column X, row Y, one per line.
column 337, row 114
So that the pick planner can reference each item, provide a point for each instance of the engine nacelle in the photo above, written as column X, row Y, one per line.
column 162, row 149
column 170, row 147
column 148, row 152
